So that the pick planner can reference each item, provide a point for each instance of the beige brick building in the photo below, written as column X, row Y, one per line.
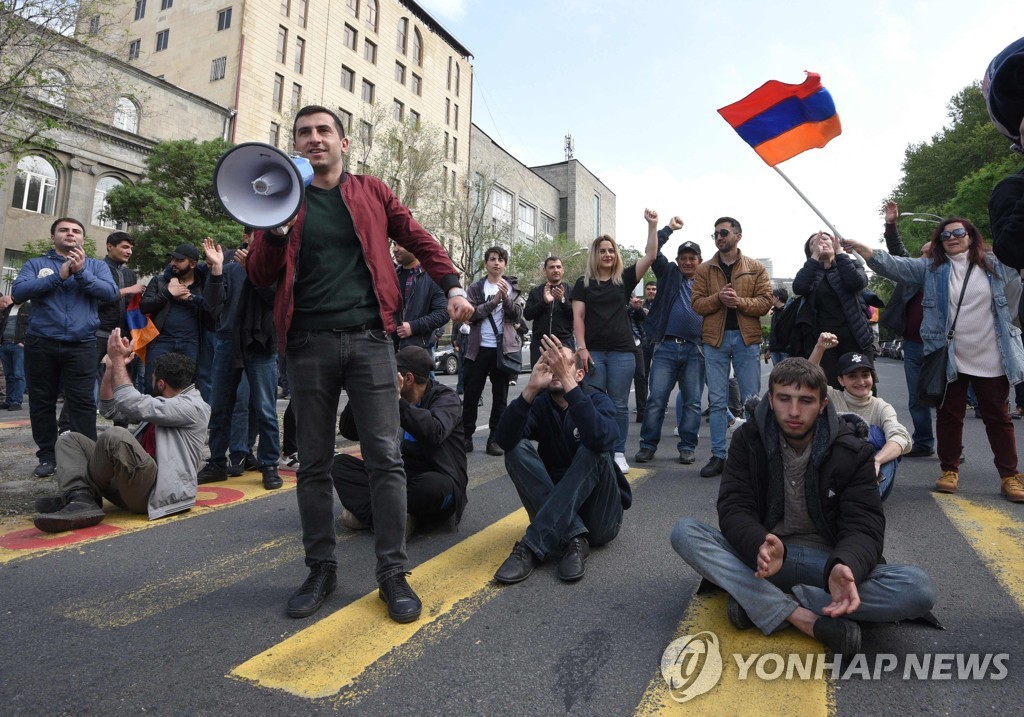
column 265, row 58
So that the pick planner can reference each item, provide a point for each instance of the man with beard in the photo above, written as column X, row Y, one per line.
column 569, row 483
column 174, row 301
column 801, row 523
column 424, row 306
column 549, row 307
column 66, row 289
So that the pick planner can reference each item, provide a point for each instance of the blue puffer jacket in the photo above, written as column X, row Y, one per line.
column 935, row 325
column 63, row 310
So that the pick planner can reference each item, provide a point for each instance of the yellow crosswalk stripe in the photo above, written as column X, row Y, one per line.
column 995, row 535
column 334, row 657
column 733, row 696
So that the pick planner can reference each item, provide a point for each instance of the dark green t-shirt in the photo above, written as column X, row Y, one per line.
column 333, row 286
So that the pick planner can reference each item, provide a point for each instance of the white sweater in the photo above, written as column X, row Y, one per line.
column 875, row 412
column 975, row 346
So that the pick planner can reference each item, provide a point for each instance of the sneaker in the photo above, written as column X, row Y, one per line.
column 17, row 407
column 1013, row 488
column 291, row 462
column 211, row 474
column 517, row 566
column 947, row 482
column 736, row 423
column 620, row 461
column 644, row 455
column 920, row 452
column 1015, row 414
column 50, row 503
column 403, row 603
column 686, row 457
column 350, row 521
column 574, row 559
column 738, row 617
column 837, row 634
column 80, row 511
column 493, row 449
column 713, row 468
column 322, row 579
column 247, row 463
column 271, row 480
column 44, row 469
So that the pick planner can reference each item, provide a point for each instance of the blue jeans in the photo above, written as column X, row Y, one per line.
column 924, row 436
column 890, row 593
column 778, row 357
column 613, row 374
column 51, row 365
column 746, row 364
column 320, row 365
column 586, row 501
column 887, row 477
column 12, row 358
column 674, row 363
column 243, row 419
column 261, row 373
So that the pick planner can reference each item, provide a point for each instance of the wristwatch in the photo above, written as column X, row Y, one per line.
column 456, row 291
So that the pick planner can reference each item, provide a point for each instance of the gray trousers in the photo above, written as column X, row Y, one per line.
column 114, row 466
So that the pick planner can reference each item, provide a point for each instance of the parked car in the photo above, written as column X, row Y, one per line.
column 447, row 361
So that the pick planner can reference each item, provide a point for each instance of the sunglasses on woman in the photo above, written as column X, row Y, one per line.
column 956, row 234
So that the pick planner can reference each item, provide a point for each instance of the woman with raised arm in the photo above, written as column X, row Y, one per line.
column 604, row 339
column 964, row 283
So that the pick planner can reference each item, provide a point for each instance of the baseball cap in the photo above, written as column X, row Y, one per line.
column 689, row 246
column 185, row 251
column 416, row 360
column 850, row 362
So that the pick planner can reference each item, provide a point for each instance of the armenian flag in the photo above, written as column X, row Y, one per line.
column 141, row 326
column 780, row 120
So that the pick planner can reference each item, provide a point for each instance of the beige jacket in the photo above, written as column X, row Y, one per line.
column 752, row 286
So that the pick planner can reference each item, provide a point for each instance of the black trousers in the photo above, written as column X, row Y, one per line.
column 431, row 495
column 477, row 372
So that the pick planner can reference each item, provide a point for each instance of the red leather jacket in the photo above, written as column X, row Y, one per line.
column 377, row 215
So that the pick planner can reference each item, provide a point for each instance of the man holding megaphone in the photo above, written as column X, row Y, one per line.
column 337, row 294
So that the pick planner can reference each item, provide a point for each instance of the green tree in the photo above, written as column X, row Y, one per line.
column 174, row 203
column 527, row 260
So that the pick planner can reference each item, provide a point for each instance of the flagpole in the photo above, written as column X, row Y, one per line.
column 796, row 189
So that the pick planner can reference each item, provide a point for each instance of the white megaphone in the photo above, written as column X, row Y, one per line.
column 259, row 185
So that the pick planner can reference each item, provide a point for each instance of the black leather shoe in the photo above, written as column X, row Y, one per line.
column 248, row 463
column 323, row 578
column 920, row 452
column 517, row 566
column 644, row 455
column 738, row 617
column 493, row 449
column 211, row 474
column 403, row 603
column 686, row 457
column 713, row 468
column 271, row 480
column 839, row 635
column 80, row 511
column 574, row 559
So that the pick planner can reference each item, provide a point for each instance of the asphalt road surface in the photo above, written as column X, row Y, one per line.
column 187, row 615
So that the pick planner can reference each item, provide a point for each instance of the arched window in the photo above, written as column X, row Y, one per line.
column 35, row 186
column 403, row 35
column 370, row 18
column 417, row 47
column 99, row 203
column 52, row 88
column 126, row 115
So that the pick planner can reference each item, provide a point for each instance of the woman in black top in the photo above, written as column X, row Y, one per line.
column 831, row 281
column 603, row 335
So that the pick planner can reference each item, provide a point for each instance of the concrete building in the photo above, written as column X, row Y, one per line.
column 586, row 207
column 769, row 267
column 370, row 60
column 106, row 144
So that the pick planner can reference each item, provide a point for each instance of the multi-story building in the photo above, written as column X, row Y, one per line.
column 267, row 58
column 769, row 267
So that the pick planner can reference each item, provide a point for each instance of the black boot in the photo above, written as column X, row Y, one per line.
column 80, row 511
column 493, row 449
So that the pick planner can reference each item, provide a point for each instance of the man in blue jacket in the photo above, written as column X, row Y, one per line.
column 569, row 483
column 66, row 289
column 424, row 306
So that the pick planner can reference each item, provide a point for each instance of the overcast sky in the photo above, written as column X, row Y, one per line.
column 638, row 84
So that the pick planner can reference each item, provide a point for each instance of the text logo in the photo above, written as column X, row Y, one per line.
column 692, row 665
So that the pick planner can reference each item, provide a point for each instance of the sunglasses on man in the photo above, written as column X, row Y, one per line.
column 721, row 233
column 956, row 234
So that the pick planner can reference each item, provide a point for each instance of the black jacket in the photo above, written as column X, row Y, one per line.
column 894, row 316
column 588, row 421
column 848, row 279
column 841, row 487
column 426, row 311
column 112, row 313
column 436, row 426
column 549, row 319
column 20, row 324
column 156, row 299
column 1006, row 214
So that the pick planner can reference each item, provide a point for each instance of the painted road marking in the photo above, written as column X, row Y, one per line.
column 732, row 696
column 995, row 535
column 19, row 538
column 349, row 654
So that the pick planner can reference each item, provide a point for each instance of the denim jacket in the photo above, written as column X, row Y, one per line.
column 935, row 325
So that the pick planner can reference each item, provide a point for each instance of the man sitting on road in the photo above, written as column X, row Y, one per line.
column 569, row 483
column 151, row 471
column 433, row 450
column 774, row 540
